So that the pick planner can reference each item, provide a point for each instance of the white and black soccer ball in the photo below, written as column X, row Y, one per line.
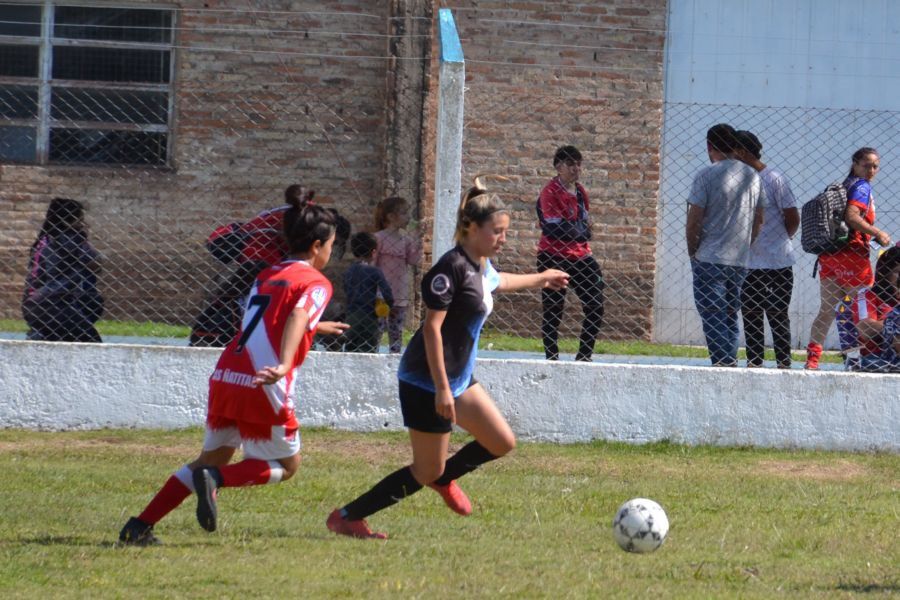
column 640, row 525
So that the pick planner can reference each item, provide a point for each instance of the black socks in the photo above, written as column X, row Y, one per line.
column 467, row 459
column 401, row 483
column 387, row 492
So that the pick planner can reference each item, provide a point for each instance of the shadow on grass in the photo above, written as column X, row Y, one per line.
column 869, row 588
column 76, row 541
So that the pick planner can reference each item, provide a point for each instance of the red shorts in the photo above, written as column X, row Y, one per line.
column 848, row 269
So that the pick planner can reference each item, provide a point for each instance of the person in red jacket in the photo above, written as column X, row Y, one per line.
column 252, row 391
column 563, row 214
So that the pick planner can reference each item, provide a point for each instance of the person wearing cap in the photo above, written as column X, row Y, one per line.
column 767, row 289
column 725, row 213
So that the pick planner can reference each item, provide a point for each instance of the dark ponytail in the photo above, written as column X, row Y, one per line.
column 297, row 196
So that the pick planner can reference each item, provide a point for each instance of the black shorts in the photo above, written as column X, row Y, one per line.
column 417, row 406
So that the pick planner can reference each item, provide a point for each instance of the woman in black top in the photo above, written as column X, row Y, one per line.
column 436, row 384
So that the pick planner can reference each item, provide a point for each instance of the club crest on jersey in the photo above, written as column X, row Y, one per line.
column 440, row 285
column 319, row 296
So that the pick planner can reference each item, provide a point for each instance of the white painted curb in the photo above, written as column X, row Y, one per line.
column 48, row 386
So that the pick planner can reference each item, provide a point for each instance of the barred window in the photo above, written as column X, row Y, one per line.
column 85, row 85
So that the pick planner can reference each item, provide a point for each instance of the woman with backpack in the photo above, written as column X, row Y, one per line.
column 849, row 269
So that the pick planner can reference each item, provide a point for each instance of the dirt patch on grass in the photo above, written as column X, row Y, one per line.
column 113, row 445
column 369, row 450
column 838, row 470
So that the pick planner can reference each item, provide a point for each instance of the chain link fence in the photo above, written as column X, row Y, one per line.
column 163, row 152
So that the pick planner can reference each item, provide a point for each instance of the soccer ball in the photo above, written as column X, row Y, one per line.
column 640, row 525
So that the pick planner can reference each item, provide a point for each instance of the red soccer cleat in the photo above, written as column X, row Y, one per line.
column 357, row 529
column 454, row 497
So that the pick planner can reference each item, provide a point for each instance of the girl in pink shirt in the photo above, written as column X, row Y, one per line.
column 397, row 251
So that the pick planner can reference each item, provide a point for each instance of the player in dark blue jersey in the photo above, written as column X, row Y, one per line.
column 436, row 384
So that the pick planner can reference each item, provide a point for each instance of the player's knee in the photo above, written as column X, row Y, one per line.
column 503, row 445
column 290, row 467
column 427, row 473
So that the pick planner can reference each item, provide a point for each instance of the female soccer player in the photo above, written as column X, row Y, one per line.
column 252, row 390
column 436, row 384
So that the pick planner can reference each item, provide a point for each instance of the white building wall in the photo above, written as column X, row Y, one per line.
column 91, row 386
column 814, row 79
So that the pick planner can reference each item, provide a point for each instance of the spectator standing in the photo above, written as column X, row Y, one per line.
column 397, row 252
column 363, row 282
column 725, row 213
column 846, row 271
column 563, row 213
column 767, row 289
column 61, row 302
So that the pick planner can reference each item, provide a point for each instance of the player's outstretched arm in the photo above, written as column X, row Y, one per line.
column 332, row 327
column 551, row 278
column 290, row 341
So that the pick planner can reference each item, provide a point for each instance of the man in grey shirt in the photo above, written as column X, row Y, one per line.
column 725, row 213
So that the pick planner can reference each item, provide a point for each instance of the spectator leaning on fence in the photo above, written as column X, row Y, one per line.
column 398, row 250
column 725, row 213
column 363, row 282
column 563, row 213
column 849, row 269
column 61, row 302
column 767, row 289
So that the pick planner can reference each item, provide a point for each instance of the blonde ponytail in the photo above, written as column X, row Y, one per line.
column 477, row 205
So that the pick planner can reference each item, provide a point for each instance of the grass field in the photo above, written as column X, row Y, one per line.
column 745, row 523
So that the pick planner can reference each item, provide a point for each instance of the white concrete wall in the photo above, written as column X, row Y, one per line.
column 84, row 386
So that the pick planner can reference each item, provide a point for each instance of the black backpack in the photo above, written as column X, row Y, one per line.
column 822, row 227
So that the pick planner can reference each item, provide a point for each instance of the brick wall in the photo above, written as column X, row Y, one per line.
column 603, row 94
column 288, row 99
column 264, row 110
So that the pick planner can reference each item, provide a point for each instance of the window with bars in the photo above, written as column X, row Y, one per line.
column 85, row 85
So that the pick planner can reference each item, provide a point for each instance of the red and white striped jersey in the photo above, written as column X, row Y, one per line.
column 277, row 291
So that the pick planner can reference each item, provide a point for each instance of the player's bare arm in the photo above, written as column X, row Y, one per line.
column 290, row 341
column 551, row 279
column 331, row 327
column 434, row 351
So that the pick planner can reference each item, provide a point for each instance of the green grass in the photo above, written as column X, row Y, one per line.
column 490, row 339
column 129, row 328
column 501, row 341
column 744, row 523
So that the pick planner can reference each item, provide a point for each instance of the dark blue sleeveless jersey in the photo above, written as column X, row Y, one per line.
column 459, row 286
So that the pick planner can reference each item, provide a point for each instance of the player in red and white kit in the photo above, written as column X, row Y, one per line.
column 253, row 388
